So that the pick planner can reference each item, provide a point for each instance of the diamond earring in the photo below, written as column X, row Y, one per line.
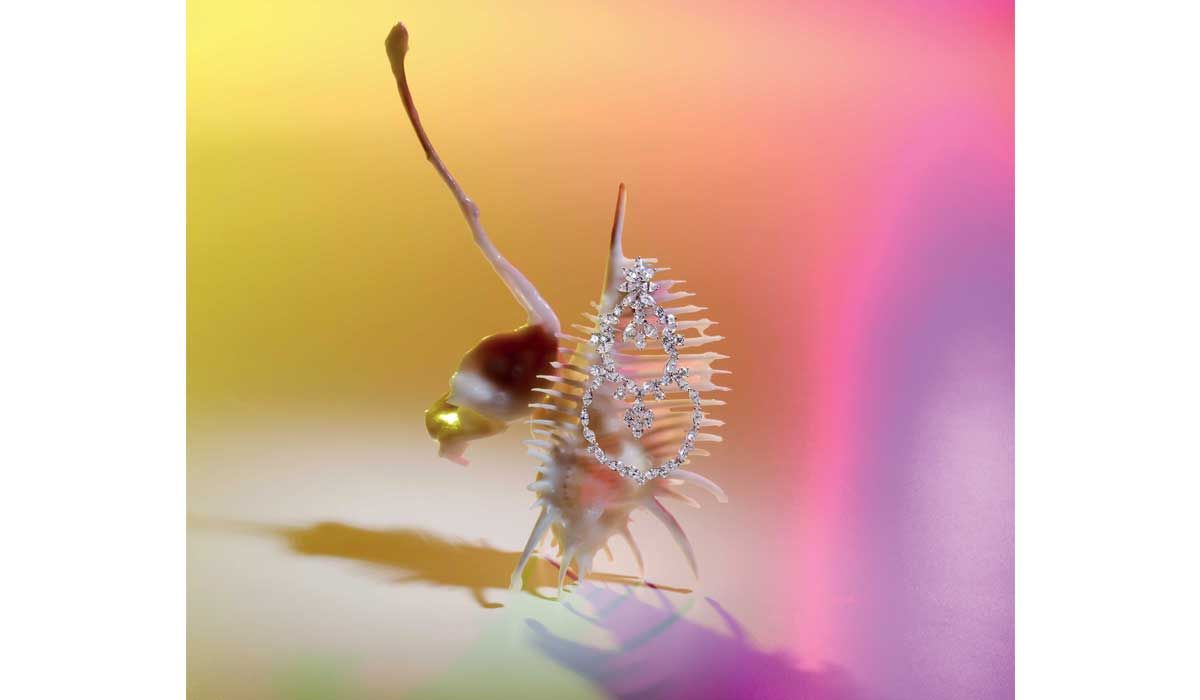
column 648, row 321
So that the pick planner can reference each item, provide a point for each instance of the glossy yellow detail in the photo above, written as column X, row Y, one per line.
column 453, row 426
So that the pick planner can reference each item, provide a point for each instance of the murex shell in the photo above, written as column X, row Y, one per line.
column 539, row 373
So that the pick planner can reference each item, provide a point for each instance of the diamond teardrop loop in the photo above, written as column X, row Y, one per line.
column 649, row 322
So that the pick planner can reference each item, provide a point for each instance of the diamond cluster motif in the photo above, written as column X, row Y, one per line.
column 648, row 322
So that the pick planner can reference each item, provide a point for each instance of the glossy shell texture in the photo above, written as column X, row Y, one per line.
column 537, row 373
column 583, row 503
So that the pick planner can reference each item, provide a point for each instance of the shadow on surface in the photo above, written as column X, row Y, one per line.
column 652, row 650
column 418, row 555
column 656, row 652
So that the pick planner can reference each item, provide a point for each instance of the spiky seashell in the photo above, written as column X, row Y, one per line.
column 583, row 504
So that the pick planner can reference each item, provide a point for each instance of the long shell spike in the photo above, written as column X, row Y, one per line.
column 539, row 530
column 668, row 492
column 563, row 564
column 704, row 483
column 656, row 508
column 616, row 252
column 637, row 552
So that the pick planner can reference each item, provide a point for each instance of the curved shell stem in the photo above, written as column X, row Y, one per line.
column 527, row 296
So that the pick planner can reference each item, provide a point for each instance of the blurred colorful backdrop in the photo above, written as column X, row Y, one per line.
column 834, row 180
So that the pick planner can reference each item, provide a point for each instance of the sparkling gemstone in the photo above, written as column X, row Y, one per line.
column 639, row 419
column 649, row 321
